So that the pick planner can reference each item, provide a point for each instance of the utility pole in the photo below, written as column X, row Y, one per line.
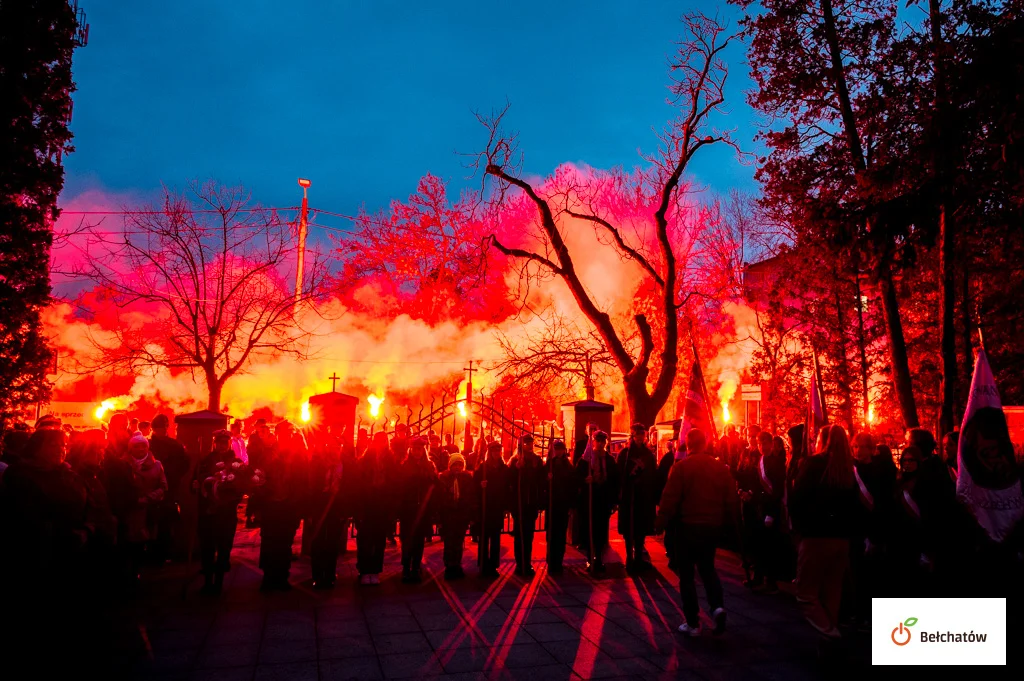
column 303, row 226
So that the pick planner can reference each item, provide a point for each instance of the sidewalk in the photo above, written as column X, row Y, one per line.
column 569, row 627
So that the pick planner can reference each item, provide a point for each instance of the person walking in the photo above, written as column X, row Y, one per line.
column 561, row 493
column 457, row 505
column 492, row 482
column 597, row 477
column 638, row 474
column 700, row 500
column 377, row 477
column 825, row 507
column 415, row 517
column 526, row 493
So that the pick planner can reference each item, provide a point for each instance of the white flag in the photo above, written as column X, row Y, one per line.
column 988, row 483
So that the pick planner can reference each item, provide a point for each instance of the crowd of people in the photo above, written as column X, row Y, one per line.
column 842, row 522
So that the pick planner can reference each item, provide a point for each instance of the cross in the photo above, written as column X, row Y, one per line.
column 333, row 378
column 470, row 369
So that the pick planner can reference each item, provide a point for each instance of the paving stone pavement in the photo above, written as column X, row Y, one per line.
column 559, row 628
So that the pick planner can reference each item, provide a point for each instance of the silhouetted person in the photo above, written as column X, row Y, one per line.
column 597, row 477
column 492, row 480
column 221, row 480
column 701, row 500
column 638, row 471
column 457, row 506
column 526, row 499
column 418, row 480
column 379, row 483
column 327, row 487
column 562, row 491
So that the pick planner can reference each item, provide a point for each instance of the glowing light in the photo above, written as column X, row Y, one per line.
column 375, row 402
column 112, row 404
column 871, row 414
column 305, row 414
column 462, row 409
column 726, row 416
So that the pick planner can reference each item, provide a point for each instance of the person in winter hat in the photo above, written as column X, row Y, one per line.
column 150, row 487
column 457, row 506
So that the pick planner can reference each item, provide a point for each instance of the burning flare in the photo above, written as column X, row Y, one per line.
column 726, row 416
column 305, row 414
column 375, row 402
column 871, row 414
column 462, row 409
column 112, row 404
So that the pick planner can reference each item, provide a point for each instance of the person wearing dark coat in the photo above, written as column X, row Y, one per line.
column 415, row 517
column 526, row 499
column 598, row 481
column 638, row 477
column 772, row 479
column 43, row 510
column 326, row 485
column 457, row 505
column 492, row 481
column 282, row 505
column 221, row 479
column 377, row 479
column 257, row 447
column 177, row 467
column 561, row 493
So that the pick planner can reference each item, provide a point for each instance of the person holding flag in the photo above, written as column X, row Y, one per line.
column 988, row 483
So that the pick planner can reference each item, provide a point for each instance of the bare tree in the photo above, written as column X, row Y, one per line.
column 558, row 354
column 200, row 284
column 699, row 76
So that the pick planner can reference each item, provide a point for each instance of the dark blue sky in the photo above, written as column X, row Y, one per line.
column 364, row 97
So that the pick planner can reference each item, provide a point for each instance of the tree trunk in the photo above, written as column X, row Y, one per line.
column 842, row 360
column 947, row 226
column 947, row 272
column 862, row 345
column 898, row 349
column 214, row 388
column 642, row 409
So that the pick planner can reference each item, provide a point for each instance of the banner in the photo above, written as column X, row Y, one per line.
column 988, row 483
column 816, row 416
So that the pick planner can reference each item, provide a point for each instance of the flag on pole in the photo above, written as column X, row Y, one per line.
column 695, row 408
column 816, row 415
column 988, row 483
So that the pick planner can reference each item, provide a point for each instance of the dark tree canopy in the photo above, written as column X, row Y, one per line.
column 36, row 46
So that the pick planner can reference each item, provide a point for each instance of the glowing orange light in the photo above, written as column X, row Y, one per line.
column 112, row 404
column 462, row 409
column 375, row 402
column 871, row 414
column 726, row 416
column 305, row 414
